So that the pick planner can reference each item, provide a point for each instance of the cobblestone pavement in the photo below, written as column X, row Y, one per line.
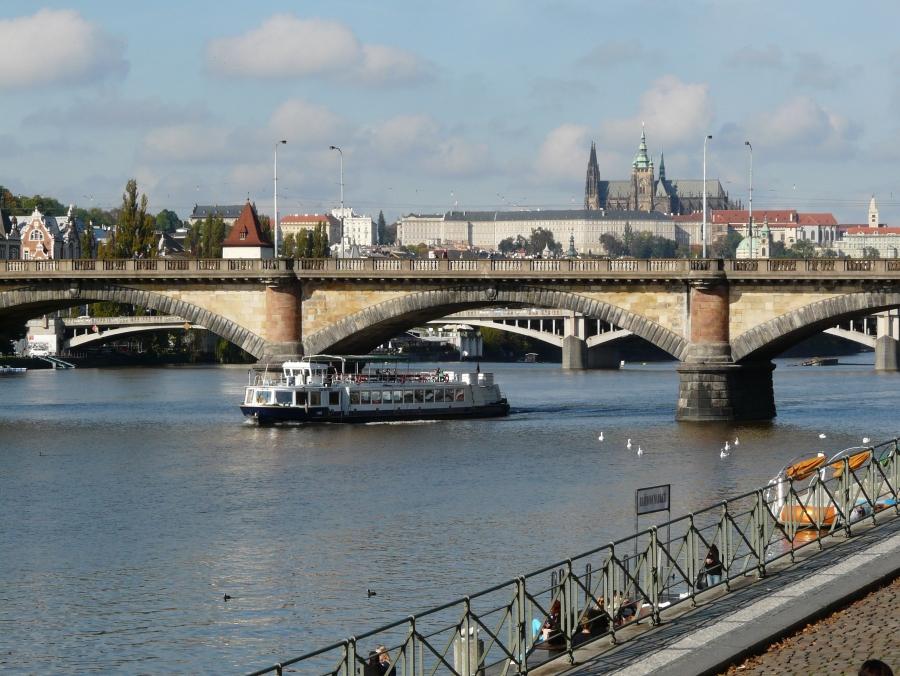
column 839, row 643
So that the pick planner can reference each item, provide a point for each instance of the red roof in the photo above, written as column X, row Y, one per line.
column 775, row 217
column 866, row 230
column 817, row 219
column 307, row 219
column 246, row 230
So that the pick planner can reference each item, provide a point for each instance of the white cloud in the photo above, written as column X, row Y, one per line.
column 286, row 46
column 563, row 154
column 304, row 123
column 188, row 143
column 801, row 123
column 675, row 112
column 57, row 46
column 418, row 141
column 112, row 112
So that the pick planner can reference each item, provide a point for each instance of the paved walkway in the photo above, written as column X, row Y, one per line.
column 840, row 643
column 711, row 637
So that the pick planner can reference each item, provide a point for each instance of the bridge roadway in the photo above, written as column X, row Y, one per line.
column 723, row 319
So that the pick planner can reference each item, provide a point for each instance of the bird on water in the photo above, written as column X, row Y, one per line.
column 227, row 597
column 600, row 438
column 370, row 593
column 640, row 451
column 822, row 435
column 628, row 444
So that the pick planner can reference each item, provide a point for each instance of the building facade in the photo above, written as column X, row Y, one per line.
column 293, row 224
column 358, row 229
column 788, row 226
column 486, row 229
column 45, row 237
column 10, row 240
column 246, row 238
column 229, row 213
column 645, row 191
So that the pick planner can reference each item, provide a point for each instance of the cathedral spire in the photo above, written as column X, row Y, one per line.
column 592, row 182
column 662, row 166
column 642, row 159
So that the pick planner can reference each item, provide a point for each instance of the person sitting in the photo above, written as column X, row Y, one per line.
column 372, row 666
column 551, row 630
column 713, row 566
column 384, row 662
column 595, row 621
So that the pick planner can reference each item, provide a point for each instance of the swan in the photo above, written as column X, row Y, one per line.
column 737, row 442
column 822, row 435
column 628, row 444
column 600, row 438
column 866, row 440
column 640, row 451
column 724, row 453
column 727, row 446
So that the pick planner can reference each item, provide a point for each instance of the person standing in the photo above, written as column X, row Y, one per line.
column 713, row 566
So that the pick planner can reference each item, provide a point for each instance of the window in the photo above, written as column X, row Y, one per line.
column 420, row 396
column 301, row 398
column 263, row 396
column 439, row 396
column 408, row 397
column 460, row 394
column 334, row 398
column 429, row 396
column 354, row 396
column 376, row 398
column 365, row 397
column 36, row 236
column 315, row 398
column 398, row 397
column 386, row 396
column 283, row 397
column 249, row 398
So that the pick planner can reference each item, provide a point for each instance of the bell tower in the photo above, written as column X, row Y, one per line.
column 642, row 178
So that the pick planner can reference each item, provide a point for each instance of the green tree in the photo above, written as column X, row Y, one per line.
column 542, row 239
column 265, row 226
column 870, row 252
column 289, row 246
column 802, row 249
column 381, row 229
column 726, row 247
column 612, row 245
column 87, row 242
column 167, row 221
column 628, row 236
column 390, row 234
column 303, row 246
column 134, row 233
column 210, row 235
column 510, row 245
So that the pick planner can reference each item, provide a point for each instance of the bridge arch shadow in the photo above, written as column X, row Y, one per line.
column 28, row 302
column 771, row 338
column 368, row 328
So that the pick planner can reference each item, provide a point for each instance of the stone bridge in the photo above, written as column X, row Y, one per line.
column 723, row 319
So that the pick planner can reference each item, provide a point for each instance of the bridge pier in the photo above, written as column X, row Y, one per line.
column 887, row 346
column 711, row 386
column 284, row 339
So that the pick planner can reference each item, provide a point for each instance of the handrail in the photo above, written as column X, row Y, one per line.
column 633, row 578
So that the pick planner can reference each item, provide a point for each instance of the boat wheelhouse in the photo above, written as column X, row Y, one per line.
column 322, row 388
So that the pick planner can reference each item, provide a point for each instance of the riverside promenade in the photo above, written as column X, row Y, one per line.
column 727, row 626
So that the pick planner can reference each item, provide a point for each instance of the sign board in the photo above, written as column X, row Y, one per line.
column 652, row 499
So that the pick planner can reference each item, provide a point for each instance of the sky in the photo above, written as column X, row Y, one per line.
column 488, row 104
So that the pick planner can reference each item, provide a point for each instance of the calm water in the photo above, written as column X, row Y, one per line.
column 133, row 499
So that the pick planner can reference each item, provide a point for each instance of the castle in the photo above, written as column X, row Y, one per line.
column 645, row 192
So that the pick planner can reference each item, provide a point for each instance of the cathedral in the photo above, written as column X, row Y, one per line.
column 645, row 192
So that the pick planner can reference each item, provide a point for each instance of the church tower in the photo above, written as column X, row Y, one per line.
column 642, row 178
column 592, row 182
column 873, row 213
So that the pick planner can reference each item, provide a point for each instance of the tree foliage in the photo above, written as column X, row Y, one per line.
column 381, row 229
column 534, row 245
column 167, row 221
column 205, row 237
column 638, row 245
column 133, row 235
column 870, row 252
column 726, row 247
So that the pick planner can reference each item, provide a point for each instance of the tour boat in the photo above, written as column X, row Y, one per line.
column 11, row 370
column 321, row 388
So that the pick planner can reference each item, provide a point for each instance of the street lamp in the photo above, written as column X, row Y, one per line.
column 708, row 137
column 750, row 220
column 275, row 194
column 342, row 195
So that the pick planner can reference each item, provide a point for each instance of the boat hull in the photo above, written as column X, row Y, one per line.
column 270, row 415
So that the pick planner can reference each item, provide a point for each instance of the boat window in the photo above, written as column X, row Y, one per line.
column 420, row 396
column 429, row 396
column 334, row 398
column 263, row 396
column 365, row 397
column 315, row 398
column 354, row 396
column 249, row 398
column 386, row 396
column 301, row 398
column 376, row 398
column 398, row 397
column 407, row 396
column 460, row 395
column 284, row 397
column 439, row 396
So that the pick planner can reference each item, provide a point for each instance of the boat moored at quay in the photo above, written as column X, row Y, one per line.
column 322, row 388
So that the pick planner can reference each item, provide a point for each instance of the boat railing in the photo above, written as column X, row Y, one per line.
column 385, row 378
column 498, row 629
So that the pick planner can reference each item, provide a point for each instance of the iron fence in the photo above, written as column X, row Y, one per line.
column 522, row 623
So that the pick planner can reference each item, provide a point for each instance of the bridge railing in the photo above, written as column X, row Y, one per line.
column 526, row 621
column 148, row 265
column 874, row 265
column 513, row 265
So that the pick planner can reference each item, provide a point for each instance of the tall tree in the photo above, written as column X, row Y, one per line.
column 303, row 247
column 289, row 246
column 382, row 229
column 134, row 234
column 87, row 242
column 167, row 221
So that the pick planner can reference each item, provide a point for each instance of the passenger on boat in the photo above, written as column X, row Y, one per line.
column 713, row 566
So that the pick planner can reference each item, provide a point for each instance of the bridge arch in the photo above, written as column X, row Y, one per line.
column 368, row 328
column 770, row 338
column 543, row 336
column 31, row 301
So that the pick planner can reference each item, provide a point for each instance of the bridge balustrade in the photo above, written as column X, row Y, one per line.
column 498, row 630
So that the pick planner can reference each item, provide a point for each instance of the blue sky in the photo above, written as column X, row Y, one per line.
column 477, row 105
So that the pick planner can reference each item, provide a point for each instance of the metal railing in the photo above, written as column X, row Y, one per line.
column 527, row 621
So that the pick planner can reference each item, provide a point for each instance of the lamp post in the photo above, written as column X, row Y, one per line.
column 750, row 219
column 341, row 152
column 707, row 138
column 275, row 195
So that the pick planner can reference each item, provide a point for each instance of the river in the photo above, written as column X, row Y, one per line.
column 133, row 500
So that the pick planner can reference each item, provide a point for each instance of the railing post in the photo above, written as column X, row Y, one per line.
column 609, row 585
column 654, row 577
column 761, row 541
column 726, row 544
column 411, row 642
column 845, row 496
column 523, row 626
column 349, row 665
column 570, row 604
column 691, row 554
